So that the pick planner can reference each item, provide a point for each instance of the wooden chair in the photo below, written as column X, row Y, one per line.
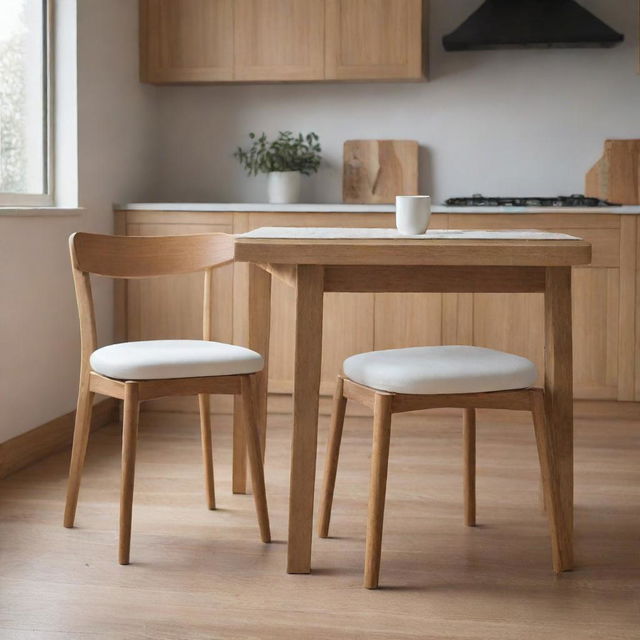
column 400, row 380
column 139, row 371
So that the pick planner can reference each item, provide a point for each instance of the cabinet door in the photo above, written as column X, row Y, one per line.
column 596, row 324
column 186, row 40
column 279, row 40
column 511, row 322
column 374, row 40
column 515, row 323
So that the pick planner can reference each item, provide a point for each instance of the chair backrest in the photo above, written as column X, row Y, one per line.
column 149, row 256
column 141, row 257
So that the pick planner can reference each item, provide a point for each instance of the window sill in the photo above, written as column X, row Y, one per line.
column 41, row 212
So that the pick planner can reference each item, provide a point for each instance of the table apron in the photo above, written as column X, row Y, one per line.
column 433, row 279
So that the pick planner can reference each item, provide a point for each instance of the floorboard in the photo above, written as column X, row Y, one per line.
column 202, row 575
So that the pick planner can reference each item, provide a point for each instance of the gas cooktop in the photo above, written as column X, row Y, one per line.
column 575, row 200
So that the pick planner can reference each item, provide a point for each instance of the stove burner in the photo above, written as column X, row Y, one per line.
column 575, row 200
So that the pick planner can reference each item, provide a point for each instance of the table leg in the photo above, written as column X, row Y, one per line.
column 259, row 322
column 559, row 396
column 306, row 389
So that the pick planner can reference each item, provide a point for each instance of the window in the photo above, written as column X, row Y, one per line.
column 25, row 99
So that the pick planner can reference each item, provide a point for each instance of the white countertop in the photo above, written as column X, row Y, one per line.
column 354, row 208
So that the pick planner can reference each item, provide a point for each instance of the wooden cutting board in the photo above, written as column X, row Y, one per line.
column 376, row 171
column 616, row 176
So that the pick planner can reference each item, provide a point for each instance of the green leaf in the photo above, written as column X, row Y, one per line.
column 287, row 152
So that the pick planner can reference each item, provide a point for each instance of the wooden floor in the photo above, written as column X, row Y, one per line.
column 204, row 575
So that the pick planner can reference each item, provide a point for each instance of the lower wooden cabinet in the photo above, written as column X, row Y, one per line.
column 606, row 307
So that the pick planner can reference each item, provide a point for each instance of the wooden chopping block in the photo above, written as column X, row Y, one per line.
column 616, row 176
column 376, row 171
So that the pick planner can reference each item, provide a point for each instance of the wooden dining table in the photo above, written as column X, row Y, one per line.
column 319, row 261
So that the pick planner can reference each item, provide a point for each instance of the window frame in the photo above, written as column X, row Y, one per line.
column 46, row 199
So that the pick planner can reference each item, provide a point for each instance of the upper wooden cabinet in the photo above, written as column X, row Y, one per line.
column 186, row 40
column 374, row 39
column 189, row 41
column 278, row 40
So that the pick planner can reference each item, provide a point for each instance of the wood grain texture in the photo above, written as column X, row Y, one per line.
column 559, row 397
column 49, row 438
column 637, row 315
column 259, row 334
column 375, row 40
column 435, row 279
column 130, row 416
column 515, row 400
column 278, row 40
column 255, row 455
column 596, row 326
column 186, row 41
column 204, row 401
column 212, row 41
column 147, row 257
column 616, row 175
column 628, row 373
column 523, row 253
column 331, row 459
column 561, row 536
column 308, row 354
column 376, row 171
column 377, row 488
column 469, row 466
column 120, row 287
column 81, row 430
column 201, row 574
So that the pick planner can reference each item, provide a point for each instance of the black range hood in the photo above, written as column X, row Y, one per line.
column 500, row 24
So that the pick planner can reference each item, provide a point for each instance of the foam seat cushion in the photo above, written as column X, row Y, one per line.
column 440, row 370
column 163, row 359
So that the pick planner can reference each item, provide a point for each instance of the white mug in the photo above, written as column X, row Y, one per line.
column 412, row 214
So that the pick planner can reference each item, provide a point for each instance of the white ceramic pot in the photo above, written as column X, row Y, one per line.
column 413, row 214
column 284, row 187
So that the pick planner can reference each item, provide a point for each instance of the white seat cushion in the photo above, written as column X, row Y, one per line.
column 162, row 359
column 435, row 370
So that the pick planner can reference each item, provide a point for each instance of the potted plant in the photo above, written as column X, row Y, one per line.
column 284, row 160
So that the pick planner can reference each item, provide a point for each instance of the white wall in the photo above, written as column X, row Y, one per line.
column 497, row 122
column 116, row 137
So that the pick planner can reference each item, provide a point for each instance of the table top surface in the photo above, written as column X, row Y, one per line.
column 365, row 247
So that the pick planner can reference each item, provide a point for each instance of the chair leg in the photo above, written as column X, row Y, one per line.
column 239, row 470
column 331, row 461
column 469, row 439
column 204, row 400
column 254, row 452
column 79, row 450
column 131, row 414
column 377, row 488
column 541, row 499
column 561, row 547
